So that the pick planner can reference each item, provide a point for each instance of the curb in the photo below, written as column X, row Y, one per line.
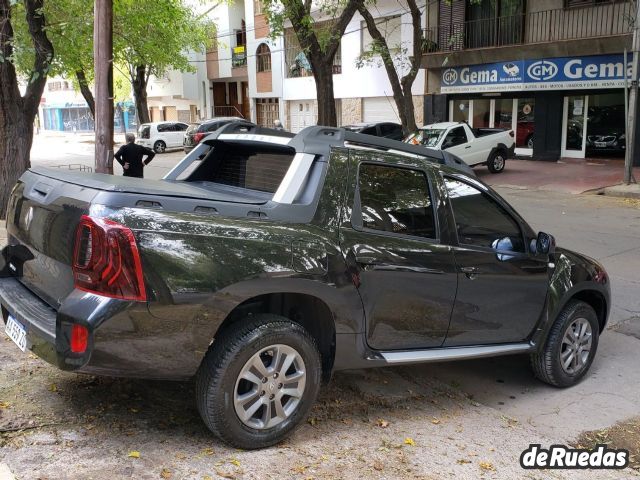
column 623, row 191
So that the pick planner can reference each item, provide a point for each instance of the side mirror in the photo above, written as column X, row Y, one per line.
column 545, row 243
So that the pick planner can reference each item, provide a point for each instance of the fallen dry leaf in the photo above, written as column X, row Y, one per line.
column 207, row 451
column 223, row 474
column 53, row 387
column 382, row 423
column 487, row 466
column 207, row 477
column 410, row 441
column 378, row 465
column 5, row 404
column 165, row 473
column 134, row 454
column 435, row 421
column 235, row 461
column 462, row 461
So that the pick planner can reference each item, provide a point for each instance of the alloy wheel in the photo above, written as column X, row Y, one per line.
column 576, row 345
column 269, row 387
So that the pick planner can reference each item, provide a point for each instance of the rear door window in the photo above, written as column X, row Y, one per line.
column 165, row 127
column 396, row 200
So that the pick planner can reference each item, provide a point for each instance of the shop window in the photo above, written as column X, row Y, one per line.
column 263, row 58
column 525, row 123
column 481, row 113
column 460, row 111
column 606, row 125
column 503, row 117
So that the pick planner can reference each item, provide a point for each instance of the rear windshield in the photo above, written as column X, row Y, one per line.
column 427, row 137
column 251, row 166
column 144, row 131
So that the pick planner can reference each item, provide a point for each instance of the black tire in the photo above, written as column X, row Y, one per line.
column 218, row 378
column 159, row 146
column 547, row 363
column 496, row 161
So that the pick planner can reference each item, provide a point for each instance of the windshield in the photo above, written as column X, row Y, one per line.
column 427, row 137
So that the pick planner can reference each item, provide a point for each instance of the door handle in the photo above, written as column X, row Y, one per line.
column 468, row 146
column 470, row 272
column 366, row 260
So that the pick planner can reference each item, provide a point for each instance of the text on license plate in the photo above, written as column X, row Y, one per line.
column 17, row 333
column 601, row 144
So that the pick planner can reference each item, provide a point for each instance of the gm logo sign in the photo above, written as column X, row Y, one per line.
column 449, row 76
column 542, row 70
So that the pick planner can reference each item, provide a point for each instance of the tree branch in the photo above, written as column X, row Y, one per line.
column 43, row 55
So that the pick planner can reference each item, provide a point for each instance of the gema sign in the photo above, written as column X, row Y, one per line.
column 598, row 71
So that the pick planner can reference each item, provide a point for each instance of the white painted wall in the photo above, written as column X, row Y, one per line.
column 369, row 81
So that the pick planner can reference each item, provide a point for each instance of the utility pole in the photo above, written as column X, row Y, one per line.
column 633, row 101
column 103, row 58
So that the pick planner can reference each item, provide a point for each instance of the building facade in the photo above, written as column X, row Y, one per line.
column 264, row 79
column 554, row 71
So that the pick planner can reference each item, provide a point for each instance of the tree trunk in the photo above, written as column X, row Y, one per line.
column 16, row 136
column 86, row 92
column 140, row 94
column 18, row 113
column 401, row 87
column 323, row 75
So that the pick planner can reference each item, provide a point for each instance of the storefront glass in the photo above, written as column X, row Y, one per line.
column 481, row 113
column 574, row 123
column 606, row 125
column 504, row 113
column 525, row 124
column 460, row 111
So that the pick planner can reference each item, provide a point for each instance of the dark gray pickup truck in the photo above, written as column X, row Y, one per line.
column 264, row 261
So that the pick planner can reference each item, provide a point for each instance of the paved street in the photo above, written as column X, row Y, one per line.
column 466, row 420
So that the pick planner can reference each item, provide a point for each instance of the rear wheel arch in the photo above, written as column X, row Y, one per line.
column 310, row 312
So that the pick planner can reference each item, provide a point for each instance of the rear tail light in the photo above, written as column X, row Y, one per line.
column 511, row 133
column 79, row 338
column 197, row 137
column 106, row 260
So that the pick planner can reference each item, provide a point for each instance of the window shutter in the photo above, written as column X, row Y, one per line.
column 451, row 23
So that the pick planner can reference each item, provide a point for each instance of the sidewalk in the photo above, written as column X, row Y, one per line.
column 567, row 175
column 3, row 233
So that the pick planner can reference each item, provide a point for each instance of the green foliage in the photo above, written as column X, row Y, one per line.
column 157, row 33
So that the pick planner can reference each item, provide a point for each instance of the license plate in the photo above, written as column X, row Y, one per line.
column 17, row 333
column 601, row 144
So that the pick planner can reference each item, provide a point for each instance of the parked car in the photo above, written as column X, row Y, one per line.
column 606, row 130
column 475, row 146
column 161, row 135
column 383, row 129
column 265, row 261
column 197, row 131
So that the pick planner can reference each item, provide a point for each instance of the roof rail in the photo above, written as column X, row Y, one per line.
column 320, row 139
column 243, row 126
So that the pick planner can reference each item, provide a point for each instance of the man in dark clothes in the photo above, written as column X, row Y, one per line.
column 130, row 157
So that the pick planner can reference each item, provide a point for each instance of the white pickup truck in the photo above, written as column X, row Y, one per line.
column 475, row 146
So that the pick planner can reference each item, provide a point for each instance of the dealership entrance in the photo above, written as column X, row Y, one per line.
column 557, row 107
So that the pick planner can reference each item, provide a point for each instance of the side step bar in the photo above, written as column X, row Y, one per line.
column 453, row 353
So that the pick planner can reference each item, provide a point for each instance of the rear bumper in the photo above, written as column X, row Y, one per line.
column 38, row 318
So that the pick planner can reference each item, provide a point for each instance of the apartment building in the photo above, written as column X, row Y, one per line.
column 264, row 79
column 180, row 96
column 552, row 70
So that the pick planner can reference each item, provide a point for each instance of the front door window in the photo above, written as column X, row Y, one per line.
column 574, row 126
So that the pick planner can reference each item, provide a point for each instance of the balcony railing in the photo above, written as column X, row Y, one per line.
column 536, row 27
column 227, row 111
column 238, row 56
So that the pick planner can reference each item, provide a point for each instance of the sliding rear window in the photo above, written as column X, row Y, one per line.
column 250, row 165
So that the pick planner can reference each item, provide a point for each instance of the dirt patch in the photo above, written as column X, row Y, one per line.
column 623, row 435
